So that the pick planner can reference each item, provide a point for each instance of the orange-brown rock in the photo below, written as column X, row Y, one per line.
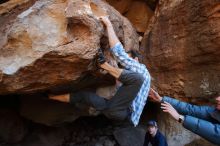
column 120, row 5
column 137, row 11
column 7, row 6
column 53, row 42
column 182, row 48
column 139, row 14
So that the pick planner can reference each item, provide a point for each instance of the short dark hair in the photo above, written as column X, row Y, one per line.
column 134, row 53
column 152, row 123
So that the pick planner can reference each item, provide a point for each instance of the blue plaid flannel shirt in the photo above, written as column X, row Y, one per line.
column 130, row 64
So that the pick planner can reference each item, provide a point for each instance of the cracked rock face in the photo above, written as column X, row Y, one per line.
column 182, row 48
column 49, row 43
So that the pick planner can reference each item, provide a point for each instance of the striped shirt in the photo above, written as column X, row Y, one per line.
column 128, row 63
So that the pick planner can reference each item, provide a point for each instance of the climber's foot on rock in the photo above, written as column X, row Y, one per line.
column 61, row 98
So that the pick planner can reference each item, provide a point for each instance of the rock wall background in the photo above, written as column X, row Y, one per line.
column 49, row 47
column 182, row 47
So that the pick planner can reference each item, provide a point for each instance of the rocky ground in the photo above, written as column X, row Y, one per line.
column 86, row 131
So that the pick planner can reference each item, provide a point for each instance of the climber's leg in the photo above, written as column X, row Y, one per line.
column 88, row 98
column 84, row 97
column 116, row 72
column 119, row 105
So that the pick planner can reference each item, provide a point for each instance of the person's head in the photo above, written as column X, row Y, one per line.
column 134, row 54
column 152, row 127
column 218, row 103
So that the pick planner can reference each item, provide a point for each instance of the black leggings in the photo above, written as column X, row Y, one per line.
column 118, row 106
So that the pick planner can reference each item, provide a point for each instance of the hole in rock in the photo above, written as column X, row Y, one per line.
column 77, row 31
column 9, row 101
column 151, row 112
column 93, row 130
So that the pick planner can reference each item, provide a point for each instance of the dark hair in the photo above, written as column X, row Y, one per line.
column 134, row 54
column 152, row 123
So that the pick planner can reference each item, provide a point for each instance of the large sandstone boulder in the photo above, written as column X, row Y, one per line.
column 182, row 48
column 53, row 42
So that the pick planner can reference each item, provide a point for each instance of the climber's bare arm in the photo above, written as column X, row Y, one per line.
column 61, row 98
column 113, row 39
column 115, row 72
